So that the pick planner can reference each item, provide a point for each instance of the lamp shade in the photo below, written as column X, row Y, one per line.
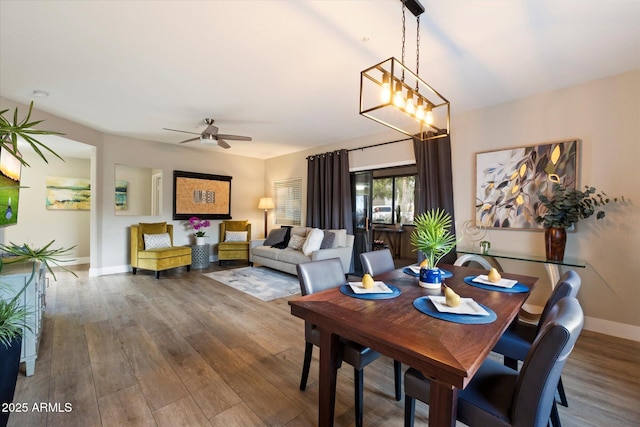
column 266, row 203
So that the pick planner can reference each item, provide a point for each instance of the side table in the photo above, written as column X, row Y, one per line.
column 200, row 256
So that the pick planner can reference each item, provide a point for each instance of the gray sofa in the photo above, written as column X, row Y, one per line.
column 286, row 259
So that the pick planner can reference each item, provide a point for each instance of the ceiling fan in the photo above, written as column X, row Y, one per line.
column 211, row 136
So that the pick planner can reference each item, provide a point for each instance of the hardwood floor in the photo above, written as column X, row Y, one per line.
column 185, row 350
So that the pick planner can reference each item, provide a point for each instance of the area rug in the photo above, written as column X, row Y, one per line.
column 259, row 282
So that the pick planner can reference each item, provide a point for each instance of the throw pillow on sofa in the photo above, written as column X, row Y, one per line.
column 313, row 241
column 296, row 242
column 275, row 236
column 285, row 242
column 328, row 240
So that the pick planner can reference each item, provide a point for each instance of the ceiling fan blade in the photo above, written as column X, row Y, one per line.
column 234, row 137
column 189, row 140
column 210, row 130
column 183, row 131
column 223, row 144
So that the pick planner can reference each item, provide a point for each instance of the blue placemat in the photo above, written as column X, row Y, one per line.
column 424, row 305
column 346, row 289
column 516, row 289
column 444, row 273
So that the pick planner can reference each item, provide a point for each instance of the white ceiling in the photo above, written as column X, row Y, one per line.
column 287, row 72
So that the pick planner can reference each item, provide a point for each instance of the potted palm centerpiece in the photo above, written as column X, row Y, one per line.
column 564, row 208
column 433, row 238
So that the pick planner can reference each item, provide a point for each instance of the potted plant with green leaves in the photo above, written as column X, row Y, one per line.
column 432, row 236
column 13, row 314
column 562, row 210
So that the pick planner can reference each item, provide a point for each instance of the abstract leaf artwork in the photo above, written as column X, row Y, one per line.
column 508, row 182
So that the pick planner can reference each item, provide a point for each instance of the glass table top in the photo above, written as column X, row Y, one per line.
column 568, row 261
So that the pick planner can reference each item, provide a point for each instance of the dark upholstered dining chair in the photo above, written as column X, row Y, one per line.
column 516, row 340
column 318, row 276
column 374, row 263
column 377, row 262
column 500, row 396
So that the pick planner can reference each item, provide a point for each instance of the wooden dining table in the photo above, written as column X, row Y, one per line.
column 447, row 353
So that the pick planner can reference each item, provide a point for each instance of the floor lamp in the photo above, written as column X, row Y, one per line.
column 266, row 203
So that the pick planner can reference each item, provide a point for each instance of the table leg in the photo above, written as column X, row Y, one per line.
column 443, row 405
column 553, row 270
column 329, row 346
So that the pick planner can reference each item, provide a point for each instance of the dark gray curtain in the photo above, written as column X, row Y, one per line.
column 433, row 160
column 329, row 191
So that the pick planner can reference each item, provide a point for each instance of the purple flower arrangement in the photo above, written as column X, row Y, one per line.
column 199, row 225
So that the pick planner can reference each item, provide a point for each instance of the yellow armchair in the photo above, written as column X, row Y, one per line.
column 235, row 237
column 159, row 253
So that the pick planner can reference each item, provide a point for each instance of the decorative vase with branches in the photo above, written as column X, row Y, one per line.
column 565, row 208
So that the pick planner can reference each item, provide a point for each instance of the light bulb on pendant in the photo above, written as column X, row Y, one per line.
column 409, row 106
column 398, row 99
column 420, row 109
column 429, row 116
column 385, row 94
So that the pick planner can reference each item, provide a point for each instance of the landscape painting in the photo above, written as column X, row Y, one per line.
column 65, row 193
column 10, row 168
column 121, row 194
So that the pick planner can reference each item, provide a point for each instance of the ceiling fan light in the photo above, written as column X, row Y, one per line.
column 208, row 139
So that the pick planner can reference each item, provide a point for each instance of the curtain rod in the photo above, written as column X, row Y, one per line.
column 366, row 146
column 378, row 145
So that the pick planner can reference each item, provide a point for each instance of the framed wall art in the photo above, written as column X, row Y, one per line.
column 10, row 169
column 121, row 194
column 508, row 182
column 66, row 193
column 202, row 195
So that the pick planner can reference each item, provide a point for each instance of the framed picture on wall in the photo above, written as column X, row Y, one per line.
column 508, row 182
column 68, row 193
column 202, row 195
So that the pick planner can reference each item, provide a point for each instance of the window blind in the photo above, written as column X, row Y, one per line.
column 288, row 195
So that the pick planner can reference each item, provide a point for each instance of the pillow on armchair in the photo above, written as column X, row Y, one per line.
column 235, row 236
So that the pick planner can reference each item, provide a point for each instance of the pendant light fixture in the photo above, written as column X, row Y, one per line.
column 392, row 94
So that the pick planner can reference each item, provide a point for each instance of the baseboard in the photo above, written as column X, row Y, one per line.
column 616, row 329
column 75, row 261
column 117, row 269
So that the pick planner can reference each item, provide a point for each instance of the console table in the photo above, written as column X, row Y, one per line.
column 552, row 267
column 200, row 256
column 14, row 278
column 394, row 236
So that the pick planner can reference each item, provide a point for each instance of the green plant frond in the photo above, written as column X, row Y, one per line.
column 10, row 131
column 432, row 236
column 12, row 320
column 45, row 255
